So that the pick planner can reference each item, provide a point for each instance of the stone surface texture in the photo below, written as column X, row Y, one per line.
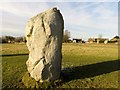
column 44, row 34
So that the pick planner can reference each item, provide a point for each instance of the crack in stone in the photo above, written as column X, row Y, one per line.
column 39, row 60
column 43, row 25
column 31, row 30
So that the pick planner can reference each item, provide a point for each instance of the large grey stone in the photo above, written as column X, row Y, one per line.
column 44, row 34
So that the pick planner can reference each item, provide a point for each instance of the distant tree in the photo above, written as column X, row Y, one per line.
column 67, row 33
column 19, row 39
column 66, row 36
column 91, row 40
column 3, row 40
column 100, row 36
column 10, row 38
column 0, row 39
column 6, row 39
column 24, row 39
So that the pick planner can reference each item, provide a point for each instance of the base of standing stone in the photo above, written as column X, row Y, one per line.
column 31, row 83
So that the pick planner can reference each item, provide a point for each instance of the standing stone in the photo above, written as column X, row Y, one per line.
column 44, row 34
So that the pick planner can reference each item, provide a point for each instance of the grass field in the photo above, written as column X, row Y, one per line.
column 83, row 65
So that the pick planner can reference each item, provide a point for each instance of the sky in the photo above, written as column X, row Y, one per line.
column 82, row 19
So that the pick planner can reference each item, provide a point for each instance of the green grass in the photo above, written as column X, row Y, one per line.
column 14, row 49
column 83, row 66
column 13, row 70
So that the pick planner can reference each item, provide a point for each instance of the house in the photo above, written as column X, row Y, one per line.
column 69, row 40
column 97, row 40
column 115, row 39
column 101, row 40
column 77, row 40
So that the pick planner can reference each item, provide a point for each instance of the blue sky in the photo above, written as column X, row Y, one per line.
column 82, row 19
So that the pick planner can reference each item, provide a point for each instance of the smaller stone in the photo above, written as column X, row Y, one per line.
column 28, row 81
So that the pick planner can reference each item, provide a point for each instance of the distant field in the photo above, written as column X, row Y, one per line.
column 83, row 66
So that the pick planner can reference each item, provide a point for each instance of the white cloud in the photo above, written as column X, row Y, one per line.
column 101, row 19
column 60, row 1
column 23, row 9
column 83, row 18
column 105, row 21
column 15, row 15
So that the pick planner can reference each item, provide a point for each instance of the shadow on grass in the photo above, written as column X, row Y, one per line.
column 81, row 72
column 13, row 55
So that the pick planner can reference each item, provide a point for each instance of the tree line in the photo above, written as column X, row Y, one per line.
column 66, row 38
column 11, row 39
